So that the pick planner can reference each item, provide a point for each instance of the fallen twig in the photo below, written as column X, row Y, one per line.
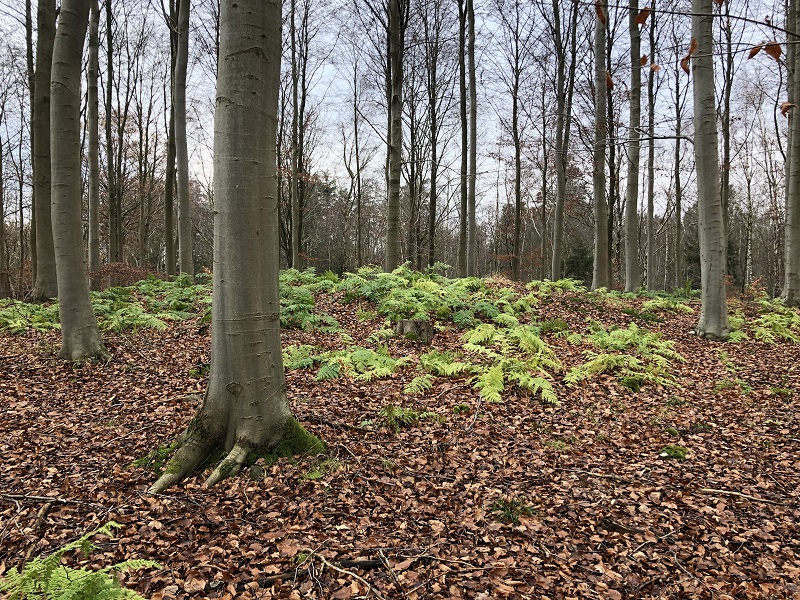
column 738, row 495
column 351, row 574
column 48, row 499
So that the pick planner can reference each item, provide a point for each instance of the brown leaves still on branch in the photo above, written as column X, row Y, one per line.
column 520, row 499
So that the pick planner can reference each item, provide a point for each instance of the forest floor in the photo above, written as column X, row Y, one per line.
column 518, row 499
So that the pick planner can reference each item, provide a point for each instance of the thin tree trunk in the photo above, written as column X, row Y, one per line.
column 632, row 274
column 185, row 251
column 679, row 277
column 462, row 108
column 114, row 233
column 45, row 285
column 294, row 195
column 791, row 286
column 651, row 159
column 29, row 54
column 563, row 123
column 245, row 409
column 79, row 332
column 5, row 287
column 472, row 224
column 713, row 321
column 601, row 258
column 94, row 141
column 396, row 137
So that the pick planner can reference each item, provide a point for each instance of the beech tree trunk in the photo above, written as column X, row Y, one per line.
column 565, row 89
column 713, row 321
column 651, row 160
column 632, row 273
column 462, row 113
column 79, row 332
column 186, row 259
column 294, row 195
column 245, row 407
column 600, row 276
column 791, row 285
column 472, row 224
column 45, row 285
column 94, row 141
column 396, row 134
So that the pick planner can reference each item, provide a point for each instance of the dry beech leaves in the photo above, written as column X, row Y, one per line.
column 411, row 514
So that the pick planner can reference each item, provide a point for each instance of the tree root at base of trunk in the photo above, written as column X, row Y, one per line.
column 196, row 444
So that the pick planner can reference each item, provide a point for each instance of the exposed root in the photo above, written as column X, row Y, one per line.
column 229, row 466
column 187, row 459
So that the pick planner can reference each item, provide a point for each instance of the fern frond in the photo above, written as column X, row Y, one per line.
column 419, row 384
column 491, row 383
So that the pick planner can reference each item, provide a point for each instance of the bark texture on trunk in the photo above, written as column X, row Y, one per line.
column 713, row 321
column 94, row 141
column 79, row 332
column 396, row 135
column 472, row 224
column 601, row 239
column 245, row 409
column 462, row 108
column 632, row 273
column 45, row 285
column 791, row 285
column 186, row 258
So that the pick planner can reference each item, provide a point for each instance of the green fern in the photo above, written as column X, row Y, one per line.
column 330, row 370
column 298, row 357
column 667, row 304
column 491, row 383
column 46, row 578
column 419, row 384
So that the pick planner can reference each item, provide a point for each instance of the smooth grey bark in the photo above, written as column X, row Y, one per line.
column 170, row 257
column 791, row 285
column 565, row 86
column 472, row 224
column 294, row 194
column 600, row 276
column 462, row 113
column 395, row 33
column 651, row 160
column 31, row 73
column 679, row 277
column 5, row 284
column 185, row 253
column 45, row 285
column 713, row 322
column 725, row 172
column 80, row 336
column 245, row 407
column 93, row 135
column 632, row 272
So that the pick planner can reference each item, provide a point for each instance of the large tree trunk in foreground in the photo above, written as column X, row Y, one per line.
column 713, row 321
column 245, row 408
column 45, row 285
column 79, row 332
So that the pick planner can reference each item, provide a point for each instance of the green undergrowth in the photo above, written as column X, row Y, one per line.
column 47, row 578
column 775, row 323
column 635, row 356
column 354, row 362
column 396, row 417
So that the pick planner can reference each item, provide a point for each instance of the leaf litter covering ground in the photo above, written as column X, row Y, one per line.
column 413, row 513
